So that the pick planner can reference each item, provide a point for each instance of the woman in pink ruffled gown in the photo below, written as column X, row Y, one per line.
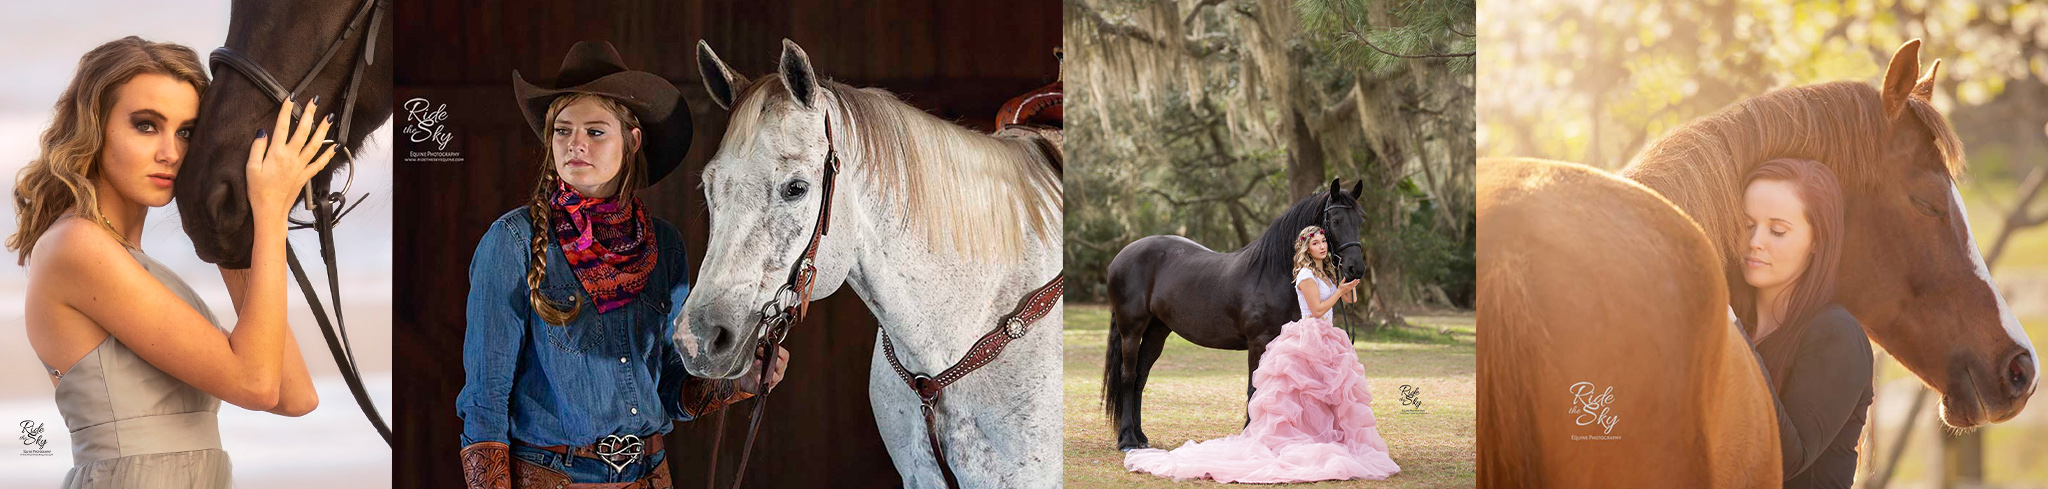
column 1311, row 415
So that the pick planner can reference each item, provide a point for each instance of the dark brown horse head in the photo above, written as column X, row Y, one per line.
column 286, row 38
column 1341, row 221
column 1910, row 272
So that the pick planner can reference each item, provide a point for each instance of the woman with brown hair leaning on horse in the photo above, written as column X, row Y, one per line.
column 1814, row 353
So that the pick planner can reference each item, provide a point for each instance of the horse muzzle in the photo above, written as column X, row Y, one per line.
column 716, row 341
column 1979, row 396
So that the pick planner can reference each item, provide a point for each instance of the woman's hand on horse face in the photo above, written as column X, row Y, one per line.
column 1347, row 287
column 751, row 381
column 282, row 160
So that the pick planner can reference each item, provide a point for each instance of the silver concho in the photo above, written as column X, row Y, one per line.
column 1014, row 328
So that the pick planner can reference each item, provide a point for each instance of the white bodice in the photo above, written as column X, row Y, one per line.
column 1324, row 288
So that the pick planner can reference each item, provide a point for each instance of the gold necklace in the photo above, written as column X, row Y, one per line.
column 117, row 234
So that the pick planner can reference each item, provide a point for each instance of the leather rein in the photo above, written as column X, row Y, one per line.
column 324, row 207
column 792, row 302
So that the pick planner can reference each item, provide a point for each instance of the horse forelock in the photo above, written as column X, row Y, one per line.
column 961, row 191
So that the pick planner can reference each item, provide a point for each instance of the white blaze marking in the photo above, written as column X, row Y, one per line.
column 2005, row 316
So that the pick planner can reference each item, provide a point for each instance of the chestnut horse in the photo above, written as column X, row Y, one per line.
column 1911, row 273
column 1606, row 341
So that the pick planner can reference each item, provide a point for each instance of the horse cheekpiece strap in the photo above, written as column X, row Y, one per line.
column 791, row 305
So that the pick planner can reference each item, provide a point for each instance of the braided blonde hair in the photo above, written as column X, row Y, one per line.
column 539, row 210
column 1321, row 267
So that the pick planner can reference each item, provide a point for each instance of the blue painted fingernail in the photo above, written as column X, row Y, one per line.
column 316, row 100
column 262, row 132
column 330, row 118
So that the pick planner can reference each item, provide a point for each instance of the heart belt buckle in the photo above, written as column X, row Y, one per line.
column 619, row 451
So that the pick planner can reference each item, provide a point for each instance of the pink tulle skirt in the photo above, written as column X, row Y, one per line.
column 1311, row 420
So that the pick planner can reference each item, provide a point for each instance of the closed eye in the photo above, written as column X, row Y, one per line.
column 1928, row 208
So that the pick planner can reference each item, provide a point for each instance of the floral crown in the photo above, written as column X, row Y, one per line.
column 1311, row 234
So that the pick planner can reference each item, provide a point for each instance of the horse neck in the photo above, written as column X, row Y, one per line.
column 1271, row 256
column 933, row 302
column 1700, row 166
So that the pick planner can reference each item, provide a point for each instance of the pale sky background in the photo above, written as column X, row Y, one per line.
column 40, row 43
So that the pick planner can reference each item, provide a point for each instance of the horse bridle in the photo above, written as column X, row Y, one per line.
column 792, row 301
column 1336, row 252
column 324, row 206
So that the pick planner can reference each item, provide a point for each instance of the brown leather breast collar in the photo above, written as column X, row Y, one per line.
column 929, row 388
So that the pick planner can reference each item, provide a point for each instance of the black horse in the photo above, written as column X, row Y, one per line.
column 296, row 49
column 287, row 39
column 1232, row 301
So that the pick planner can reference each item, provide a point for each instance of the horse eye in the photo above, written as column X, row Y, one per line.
column 794, row 190
column 1927, row 208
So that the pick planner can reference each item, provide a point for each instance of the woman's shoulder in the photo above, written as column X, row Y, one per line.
column 1836, row 319
column 74, row 251
column 1834, row 329
column 518, row 218
column 510, row 231
column 71, row 240
column 666, row 233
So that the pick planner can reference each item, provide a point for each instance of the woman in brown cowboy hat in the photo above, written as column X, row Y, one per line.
column 570, row 373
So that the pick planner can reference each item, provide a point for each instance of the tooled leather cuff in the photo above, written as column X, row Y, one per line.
column 704, row 396
column 487, row 465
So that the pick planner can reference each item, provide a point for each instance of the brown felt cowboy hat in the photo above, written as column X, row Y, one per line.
column 594, row 67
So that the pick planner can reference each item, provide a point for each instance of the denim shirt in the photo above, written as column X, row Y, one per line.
column 533, row 382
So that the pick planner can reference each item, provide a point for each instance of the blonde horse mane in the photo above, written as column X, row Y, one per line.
column 1699, row 166
column 964, row 191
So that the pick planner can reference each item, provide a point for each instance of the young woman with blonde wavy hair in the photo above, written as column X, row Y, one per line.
column 139, row 362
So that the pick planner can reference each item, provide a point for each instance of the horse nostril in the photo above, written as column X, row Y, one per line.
column 2019, row 374
column 228, row 212
column 721, row 340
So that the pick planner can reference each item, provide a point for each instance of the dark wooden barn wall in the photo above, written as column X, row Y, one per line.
column 957, row 60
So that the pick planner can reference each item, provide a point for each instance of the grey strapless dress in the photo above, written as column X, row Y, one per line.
column 135, row 426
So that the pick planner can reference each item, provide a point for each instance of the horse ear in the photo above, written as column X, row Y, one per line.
column 1900, row 78
column 719, row 79
column 1924, row 89
column 1358, row 189
column 1335, row 188
column 797, row 74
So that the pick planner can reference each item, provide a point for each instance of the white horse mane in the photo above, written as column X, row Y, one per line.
column 961, row 189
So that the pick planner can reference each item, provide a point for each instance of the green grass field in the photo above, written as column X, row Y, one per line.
column 1197, row 393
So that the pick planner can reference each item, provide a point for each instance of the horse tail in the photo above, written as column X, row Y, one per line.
column 1112, row 372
